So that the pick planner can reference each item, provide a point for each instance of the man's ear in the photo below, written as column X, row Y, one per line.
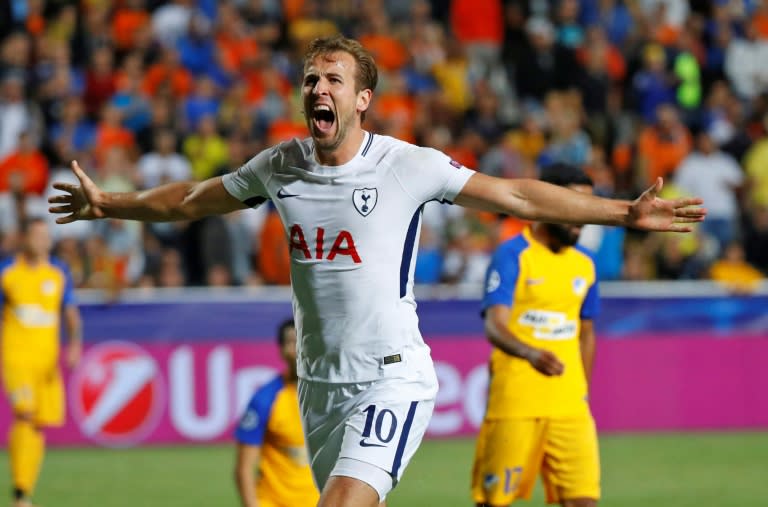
column 364, row 99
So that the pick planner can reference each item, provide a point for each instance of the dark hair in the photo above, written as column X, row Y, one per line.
column 282, row 329
column 565, row 174
column 28, row 222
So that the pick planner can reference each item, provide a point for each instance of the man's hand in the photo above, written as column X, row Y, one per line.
column 545, row 362
column 652, row 213
column 79, row 201
column 73, row 353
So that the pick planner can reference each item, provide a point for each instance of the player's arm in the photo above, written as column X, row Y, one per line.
column 186, row 200
column 248, row 457
column 587, row 345
column 539, row 201
column 74, row 325
column 544, row 361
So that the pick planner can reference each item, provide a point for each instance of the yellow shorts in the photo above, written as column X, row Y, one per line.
column 36, row 393
column 511, row 453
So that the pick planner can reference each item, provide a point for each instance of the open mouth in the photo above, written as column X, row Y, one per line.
column 323, row 118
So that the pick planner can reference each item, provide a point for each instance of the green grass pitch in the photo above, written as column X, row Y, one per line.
column 657, row 470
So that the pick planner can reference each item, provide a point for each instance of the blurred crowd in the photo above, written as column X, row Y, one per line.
column 143, row 92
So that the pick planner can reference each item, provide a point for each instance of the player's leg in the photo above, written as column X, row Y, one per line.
column 26, row 446
column 38, row 402
column 25, row 440
column 579, row 502
column 341, row 490
column 571, row 470
column 361, row 437
column 508, row 457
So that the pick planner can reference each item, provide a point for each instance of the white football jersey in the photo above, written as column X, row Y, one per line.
column 353, row 234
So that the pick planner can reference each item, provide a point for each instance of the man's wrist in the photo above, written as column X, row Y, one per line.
column 530, row 354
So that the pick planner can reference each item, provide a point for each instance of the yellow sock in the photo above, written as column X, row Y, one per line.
column 26, row 446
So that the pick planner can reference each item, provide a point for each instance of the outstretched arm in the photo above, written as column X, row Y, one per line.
column 186, row 200
column 539, row 201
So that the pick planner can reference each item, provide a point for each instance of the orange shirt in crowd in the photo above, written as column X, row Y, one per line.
column 478, row 21
column 257, row 85
column 234, row 49
column 386, row 50
column 614, row 65
column 157, row 75
column 33, row 167
column 35, row 24
column 509, row 227
column 662, row 156
column 284, row 130
column 399, row 110
column 108, row 137
column 760, row 23
column 125, row 25
column 274, row 261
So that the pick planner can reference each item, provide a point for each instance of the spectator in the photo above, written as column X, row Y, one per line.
column 580, row 81
column 478, row 26
column 127, row 21
column 168, row 77
column 662, row 146
column 544, row 64
column 744, row 64
column 205, row 148
column 652, row 86
column 164, row 164
column 17, row 115
column 170, row 21
column 734, row 272
column 717, row 178
column 100, row 80
column 203, row 102
column 27, row 166
column 756, row 236
column 74, row 134
column 111, row 133
column 756, row 166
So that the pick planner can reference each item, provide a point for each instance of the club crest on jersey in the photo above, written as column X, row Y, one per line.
column 579, row 285
column 364, row 200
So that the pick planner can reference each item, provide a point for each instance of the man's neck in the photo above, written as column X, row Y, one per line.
column 540, row 234
column 343, row 153
column 31, row 259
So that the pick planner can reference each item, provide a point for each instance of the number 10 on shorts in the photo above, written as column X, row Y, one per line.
column 379, row 427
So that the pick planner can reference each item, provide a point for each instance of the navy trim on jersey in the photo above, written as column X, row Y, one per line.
column 408, row 250
column 368, row 144
column 254, row 201
column 403, row 439
column 4, row 265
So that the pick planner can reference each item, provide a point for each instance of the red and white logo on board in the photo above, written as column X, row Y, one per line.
column 117, row 394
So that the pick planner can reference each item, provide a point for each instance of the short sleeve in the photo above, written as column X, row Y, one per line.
column 4, row 265
column 252, row 425
column 248, row 183
column 501, row 278
column 68, row 297
column 590, row 308
column 427, row 175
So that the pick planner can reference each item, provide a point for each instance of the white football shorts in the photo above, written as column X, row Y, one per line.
column 368, row 431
